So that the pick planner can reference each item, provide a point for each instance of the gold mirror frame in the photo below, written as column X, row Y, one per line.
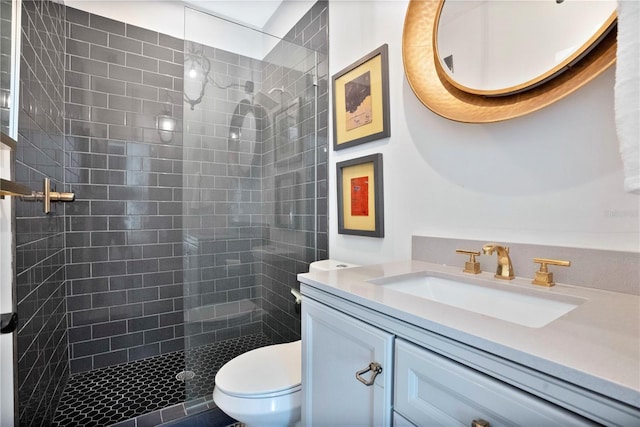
column 430, row 84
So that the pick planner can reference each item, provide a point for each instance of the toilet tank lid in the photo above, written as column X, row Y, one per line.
column 329, row 264
column 264, row 370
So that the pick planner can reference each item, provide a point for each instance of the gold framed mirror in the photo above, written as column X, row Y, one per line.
column 432, row 87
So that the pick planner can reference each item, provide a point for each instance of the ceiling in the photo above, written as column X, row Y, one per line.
column 255, row 13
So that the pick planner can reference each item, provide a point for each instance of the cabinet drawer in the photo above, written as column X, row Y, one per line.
column 434, row 390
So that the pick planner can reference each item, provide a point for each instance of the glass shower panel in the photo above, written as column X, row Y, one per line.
column 249, row 190
column 6, row 12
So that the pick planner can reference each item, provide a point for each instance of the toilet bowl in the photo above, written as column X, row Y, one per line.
column 262, row 387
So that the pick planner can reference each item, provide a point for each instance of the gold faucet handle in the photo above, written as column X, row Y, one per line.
column 544, row 277
column 472, row 266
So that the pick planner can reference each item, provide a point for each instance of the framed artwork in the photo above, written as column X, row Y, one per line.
column 361, row 101
column 360, row 196
column 287, row 131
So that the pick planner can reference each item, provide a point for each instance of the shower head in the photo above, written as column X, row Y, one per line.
column 265, row 100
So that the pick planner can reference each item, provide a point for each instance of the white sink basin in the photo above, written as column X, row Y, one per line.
column 513, row 305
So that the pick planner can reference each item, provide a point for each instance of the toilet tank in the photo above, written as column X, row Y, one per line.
column 317, row 266
column 329, row 264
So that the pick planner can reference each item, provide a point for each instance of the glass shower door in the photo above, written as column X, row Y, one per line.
column 249, row 190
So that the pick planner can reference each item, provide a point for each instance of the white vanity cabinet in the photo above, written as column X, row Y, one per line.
column 335, row 347
column 427, row 379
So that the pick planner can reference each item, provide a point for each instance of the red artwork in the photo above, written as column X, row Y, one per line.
column 360, row 196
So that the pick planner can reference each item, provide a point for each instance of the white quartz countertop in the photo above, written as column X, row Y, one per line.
column 595, row 346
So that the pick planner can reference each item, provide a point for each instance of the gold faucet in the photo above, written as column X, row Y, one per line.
column 505, row 269
column 544, row 277
column 472, row 266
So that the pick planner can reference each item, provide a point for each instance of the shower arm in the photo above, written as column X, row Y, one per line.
column 248, row 87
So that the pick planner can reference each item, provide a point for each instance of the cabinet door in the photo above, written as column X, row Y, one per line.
column 334, row 347
column 433, row 390
column 400, row 421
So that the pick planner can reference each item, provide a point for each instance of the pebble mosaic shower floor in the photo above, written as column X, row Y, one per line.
column 110, row 395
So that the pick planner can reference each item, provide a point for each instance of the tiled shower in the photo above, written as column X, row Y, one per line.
column 177, row 240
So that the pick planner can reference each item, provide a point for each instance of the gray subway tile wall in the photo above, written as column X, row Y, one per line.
column 123, row 231
column 164, row 246
column 5, row 63
column 295, row 179
column 40, row 251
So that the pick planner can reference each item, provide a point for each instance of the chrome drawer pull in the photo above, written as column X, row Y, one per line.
column 480, row 423
column 375, row 368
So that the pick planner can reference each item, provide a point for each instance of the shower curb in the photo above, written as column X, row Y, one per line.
column 182, row 414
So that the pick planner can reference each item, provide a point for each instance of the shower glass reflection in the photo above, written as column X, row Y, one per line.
column 250, row 211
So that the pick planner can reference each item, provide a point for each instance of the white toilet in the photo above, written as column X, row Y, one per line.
column 262, row 387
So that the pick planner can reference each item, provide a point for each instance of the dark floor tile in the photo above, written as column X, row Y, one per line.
column 149, row 388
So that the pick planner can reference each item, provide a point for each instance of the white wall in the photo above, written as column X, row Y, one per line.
column 552, row 177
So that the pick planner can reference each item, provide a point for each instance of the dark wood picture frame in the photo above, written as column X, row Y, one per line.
column 359, row 181
column 361, row 100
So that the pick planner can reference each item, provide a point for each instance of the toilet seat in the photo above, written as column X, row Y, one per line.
column 269, row 371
